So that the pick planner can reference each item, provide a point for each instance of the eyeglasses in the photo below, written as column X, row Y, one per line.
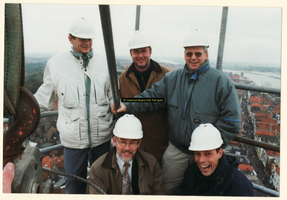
column 123, row 143
column 136, row 52
column 84, row 40
column 197, row 54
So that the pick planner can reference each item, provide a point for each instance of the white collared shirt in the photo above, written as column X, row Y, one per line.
column 122, row 167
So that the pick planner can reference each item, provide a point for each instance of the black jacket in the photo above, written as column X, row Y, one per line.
column 226, row 180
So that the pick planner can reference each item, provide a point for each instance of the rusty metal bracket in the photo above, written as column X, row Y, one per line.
column 28, row 117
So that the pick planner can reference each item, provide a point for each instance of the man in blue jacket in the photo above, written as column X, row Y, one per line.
column 213, row 173
column 193, row 95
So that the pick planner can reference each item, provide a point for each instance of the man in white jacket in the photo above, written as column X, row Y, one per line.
column 80, row 81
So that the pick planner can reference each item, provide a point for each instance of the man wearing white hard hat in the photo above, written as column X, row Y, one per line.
column 213, row 173
column 193, row 95
column 138, row 77
column 79, row 80
column 125, row 169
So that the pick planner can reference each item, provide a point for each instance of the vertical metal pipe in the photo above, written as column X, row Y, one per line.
column 138, row 11
column 110, row 53
column 222, row 38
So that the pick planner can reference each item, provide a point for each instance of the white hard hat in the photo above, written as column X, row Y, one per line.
column 82, row 28
column 205, row 137
column 139, row 40
column 195, row 38
column 128, row 127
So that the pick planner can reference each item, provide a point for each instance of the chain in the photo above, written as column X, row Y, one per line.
column 73, row 176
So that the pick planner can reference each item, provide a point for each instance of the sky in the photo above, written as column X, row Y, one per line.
column 253, row 34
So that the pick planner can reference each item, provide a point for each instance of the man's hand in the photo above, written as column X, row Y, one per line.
column 8, row 175
column 121, row 109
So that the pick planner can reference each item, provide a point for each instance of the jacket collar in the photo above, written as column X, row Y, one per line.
column 223, row 165
column 154, row 66
column 79, row 56
column 200, row 70
column 111, row 156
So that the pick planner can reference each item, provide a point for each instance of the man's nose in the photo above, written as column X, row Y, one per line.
column 193, row 56
column 127, row 147
column 202, row 158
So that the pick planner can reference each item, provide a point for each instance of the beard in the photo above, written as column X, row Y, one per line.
column 124, row 160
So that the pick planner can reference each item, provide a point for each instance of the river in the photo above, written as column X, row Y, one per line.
column 261, row 78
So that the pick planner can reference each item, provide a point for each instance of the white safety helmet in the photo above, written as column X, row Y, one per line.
column 82, row 28
column 205, row 137
column 128, row 127
column 195, row 39
column 139, row 40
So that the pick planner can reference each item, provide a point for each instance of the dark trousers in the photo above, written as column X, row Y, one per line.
column 76, row 163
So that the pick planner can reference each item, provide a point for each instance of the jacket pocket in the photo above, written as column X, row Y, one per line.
column 104, row 118
column 101, row 96
column 69, row 128
column 68, row 93
column 173, row 115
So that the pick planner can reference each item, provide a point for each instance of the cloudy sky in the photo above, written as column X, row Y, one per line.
column 253, row 34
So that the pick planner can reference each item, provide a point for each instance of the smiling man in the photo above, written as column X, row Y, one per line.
column 195, row 94
column 213, row 173
column 79, row 80
column 138, row 77
column 125, row 169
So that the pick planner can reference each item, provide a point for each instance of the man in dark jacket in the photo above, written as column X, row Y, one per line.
column 213, row 173
column 125, row 169
column 193, row 95
column 141, row 75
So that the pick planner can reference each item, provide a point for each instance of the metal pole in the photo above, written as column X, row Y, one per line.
column 138, row 18
column 51, row 148
column 265, row 190
column 222, row 38
column 109, row 45
column 256, row 88
column 256, row 143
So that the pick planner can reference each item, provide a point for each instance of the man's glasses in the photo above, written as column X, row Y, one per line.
column 84, row 40
column 197, row 54
column 123, row 143
column 138, row 52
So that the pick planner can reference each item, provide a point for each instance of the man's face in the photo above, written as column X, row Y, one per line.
column 194, row 57
column 207, row 161
column 126, row 148
column 81, row 45
column 141, row 57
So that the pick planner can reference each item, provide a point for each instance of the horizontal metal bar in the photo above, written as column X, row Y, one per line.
column 51, row 148
column 256, row 143
column 43, row 114
column 256, row 88
column 265, row 190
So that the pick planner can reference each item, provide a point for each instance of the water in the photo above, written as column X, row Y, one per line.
column 265, row 79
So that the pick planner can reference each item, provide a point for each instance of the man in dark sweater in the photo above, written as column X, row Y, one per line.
column 213, row 173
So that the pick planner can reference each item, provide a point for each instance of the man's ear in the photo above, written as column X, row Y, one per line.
column 114, row 140
column 71, row 39
column 220, row 152
column 140, row 141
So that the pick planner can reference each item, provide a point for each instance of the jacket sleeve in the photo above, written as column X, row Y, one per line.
column 158, row 185
column 96, row 178
column 158, row 90
column 241, row 186
column 229, row 120
column 46, row 94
